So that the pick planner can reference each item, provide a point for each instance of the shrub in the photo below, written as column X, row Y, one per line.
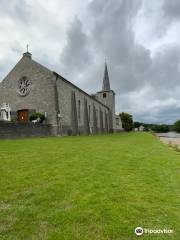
column 176, row 126
column 36, row 116
column 160, row 128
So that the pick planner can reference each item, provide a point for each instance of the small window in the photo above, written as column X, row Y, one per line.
column 104, row 95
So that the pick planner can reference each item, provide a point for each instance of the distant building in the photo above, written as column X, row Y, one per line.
column 141, row 128
column 31, row 87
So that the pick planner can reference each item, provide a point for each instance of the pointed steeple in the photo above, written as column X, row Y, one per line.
column 106, row 84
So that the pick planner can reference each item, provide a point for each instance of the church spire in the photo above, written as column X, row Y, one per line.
column 106, row 84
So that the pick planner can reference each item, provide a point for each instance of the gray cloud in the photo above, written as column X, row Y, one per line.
column 146, row 84
column 132, row 66
column 76, row 54
column 19, row 10
column 172, row 9
column 114, row 37
column 165, row 69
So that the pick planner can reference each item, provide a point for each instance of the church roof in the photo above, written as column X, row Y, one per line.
column 70, row 83
column 45, row 70
column 106, row 83
column 29, row 55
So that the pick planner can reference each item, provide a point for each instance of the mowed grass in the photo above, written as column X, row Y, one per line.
column 96, row 187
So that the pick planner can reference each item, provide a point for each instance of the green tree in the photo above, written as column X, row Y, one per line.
column 127, row 121
column 163, row 128
column 176, row 126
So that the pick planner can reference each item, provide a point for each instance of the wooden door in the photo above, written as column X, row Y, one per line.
column 23, row 116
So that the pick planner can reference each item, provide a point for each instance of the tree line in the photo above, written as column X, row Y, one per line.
column 128, row 124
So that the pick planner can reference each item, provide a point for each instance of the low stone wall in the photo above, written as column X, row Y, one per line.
column 23, row 130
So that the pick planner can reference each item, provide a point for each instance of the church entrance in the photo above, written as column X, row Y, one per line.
column 23, row 116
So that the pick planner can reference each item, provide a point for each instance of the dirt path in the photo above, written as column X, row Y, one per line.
column 171, row 141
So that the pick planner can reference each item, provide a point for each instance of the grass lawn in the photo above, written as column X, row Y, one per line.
column 95, row 188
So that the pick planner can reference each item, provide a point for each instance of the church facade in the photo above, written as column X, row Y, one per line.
column 31, row 87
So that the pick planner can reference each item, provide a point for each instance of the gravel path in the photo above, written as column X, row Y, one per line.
column 173, row 141
column 171, row 138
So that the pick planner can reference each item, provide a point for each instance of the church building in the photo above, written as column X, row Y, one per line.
column 32, row 88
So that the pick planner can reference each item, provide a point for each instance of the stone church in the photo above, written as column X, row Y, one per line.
column 31, row 87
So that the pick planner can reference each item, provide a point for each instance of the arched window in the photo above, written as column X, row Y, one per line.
column 117, row 121
column 79, row 110
column 7, row 116
column 89, row 112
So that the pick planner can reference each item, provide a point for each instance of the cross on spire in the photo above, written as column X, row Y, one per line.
column 27, row 53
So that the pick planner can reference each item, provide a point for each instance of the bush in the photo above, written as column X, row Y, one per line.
column 160, row 128
column 176, row 126
column 36, row 116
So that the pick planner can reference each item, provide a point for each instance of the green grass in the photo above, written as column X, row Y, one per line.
column 95, row 188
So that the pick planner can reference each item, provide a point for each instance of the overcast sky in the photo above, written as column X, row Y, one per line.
column 140, row 40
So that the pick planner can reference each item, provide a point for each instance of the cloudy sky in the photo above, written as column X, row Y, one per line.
column 140, row 40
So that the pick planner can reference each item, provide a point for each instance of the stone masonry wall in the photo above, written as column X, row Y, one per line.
column 19, row 130
column 40, row 98
column 65, row 92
